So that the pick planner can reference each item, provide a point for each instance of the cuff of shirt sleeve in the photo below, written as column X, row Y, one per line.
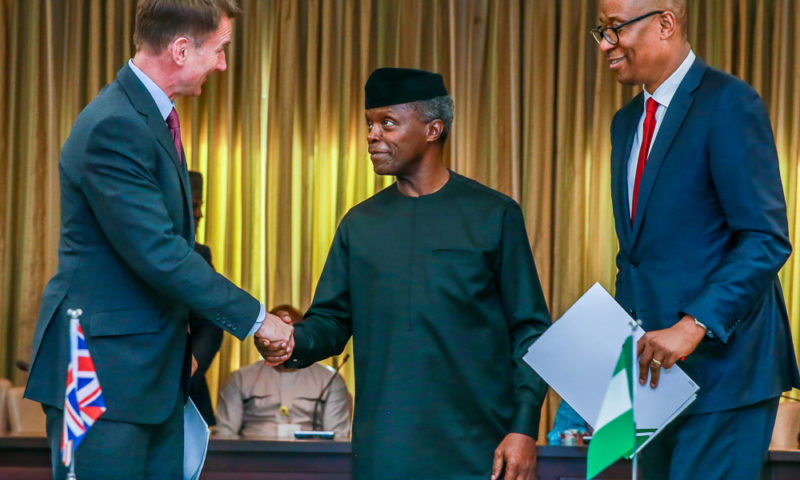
column 526, row 419
column 262, row 314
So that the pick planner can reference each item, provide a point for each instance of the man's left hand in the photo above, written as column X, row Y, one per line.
column 662, row 348
column 517, row 453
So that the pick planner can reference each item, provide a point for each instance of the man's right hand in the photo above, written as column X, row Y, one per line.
column 659, row 349
column 274, row 340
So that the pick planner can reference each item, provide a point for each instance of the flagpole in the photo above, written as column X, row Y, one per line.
column 71, row 473
column 74, row 315
column 634, row 466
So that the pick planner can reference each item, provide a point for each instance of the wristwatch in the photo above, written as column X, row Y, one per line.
column 709, row 333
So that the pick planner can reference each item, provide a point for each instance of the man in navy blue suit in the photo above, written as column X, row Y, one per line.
column 701, row 221
column 126, row 253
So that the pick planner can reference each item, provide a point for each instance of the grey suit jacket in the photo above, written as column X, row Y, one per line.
column 126, row 259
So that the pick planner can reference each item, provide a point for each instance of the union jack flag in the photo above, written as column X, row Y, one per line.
column 83, row 402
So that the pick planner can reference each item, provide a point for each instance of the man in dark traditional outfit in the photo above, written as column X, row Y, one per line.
column 434, row 279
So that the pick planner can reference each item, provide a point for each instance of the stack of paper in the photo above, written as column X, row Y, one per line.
column 195, row 441
column 576, row 356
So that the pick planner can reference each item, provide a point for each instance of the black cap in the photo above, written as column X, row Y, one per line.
column 392, row 86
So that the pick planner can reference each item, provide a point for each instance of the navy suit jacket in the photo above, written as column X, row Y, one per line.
column 126, row 259
column 709, row 237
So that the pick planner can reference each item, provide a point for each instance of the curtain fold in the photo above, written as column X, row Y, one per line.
column 281, row 136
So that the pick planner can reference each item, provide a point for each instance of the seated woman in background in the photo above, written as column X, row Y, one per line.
column 257, row 398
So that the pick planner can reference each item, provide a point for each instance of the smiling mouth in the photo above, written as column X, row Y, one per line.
column 615, row 61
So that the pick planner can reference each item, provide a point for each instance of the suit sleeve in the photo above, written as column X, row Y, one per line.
column 119, row 182
column 744, row 169
column 526, row 316
column 327, row 325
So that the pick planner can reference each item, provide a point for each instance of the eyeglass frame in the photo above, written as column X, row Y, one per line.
column 599, row 32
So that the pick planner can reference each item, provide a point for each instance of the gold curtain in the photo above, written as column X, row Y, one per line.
column 281, row 140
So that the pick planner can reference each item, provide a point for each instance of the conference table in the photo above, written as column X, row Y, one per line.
column 28, row 458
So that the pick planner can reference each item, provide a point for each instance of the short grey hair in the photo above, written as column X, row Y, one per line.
column 436, row 108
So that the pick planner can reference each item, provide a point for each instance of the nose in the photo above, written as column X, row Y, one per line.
column 605, row 46
column 221, row 64
column 372, row 135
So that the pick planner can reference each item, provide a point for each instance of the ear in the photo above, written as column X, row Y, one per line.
column 178, row 49
column 668, row 25
column 434, row 130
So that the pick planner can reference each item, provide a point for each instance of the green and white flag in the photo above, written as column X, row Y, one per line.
column 614, row 436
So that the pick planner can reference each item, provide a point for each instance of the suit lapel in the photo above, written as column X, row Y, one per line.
column 621, row 150
column 145, row 105
column 665, row 137
column 187, row 196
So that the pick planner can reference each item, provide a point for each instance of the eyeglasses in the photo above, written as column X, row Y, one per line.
column 611, row 34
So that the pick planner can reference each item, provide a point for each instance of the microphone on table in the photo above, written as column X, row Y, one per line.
column 316, row 422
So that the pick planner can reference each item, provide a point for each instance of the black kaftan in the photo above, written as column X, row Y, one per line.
column 441, row 296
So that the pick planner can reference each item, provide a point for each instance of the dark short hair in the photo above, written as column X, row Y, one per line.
column 196, row 184
column 159, row 21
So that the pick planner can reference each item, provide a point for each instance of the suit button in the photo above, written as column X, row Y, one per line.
column 635, row 264
column 234, row 328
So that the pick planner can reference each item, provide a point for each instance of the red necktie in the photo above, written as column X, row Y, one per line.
column 175, row 129
column 647, row 137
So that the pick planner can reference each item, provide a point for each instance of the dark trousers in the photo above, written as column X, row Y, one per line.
column 122, row 451
column 726, row 445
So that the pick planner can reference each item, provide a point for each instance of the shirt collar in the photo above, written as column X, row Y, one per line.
column 664, row 93
column 164, row 104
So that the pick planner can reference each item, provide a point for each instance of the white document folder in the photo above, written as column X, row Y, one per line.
column 195, row 441
column 576, row 356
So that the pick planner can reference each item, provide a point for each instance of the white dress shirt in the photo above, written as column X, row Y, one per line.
column 663, row 95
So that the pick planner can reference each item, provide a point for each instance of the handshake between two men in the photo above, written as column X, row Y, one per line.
column 274, row 340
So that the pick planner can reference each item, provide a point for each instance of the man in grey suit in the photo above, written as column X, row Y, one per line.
column 126, row 253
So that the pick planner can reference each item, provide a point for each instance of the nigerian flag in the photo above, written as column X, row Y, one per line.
column 615, row 433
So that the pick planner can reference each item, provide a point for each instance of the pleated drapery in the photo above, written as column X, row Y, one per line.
column 281, row 136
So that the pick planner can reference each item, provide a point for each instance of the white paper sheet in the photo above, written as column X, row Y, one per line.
column 576, row 356
column 195, row 441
